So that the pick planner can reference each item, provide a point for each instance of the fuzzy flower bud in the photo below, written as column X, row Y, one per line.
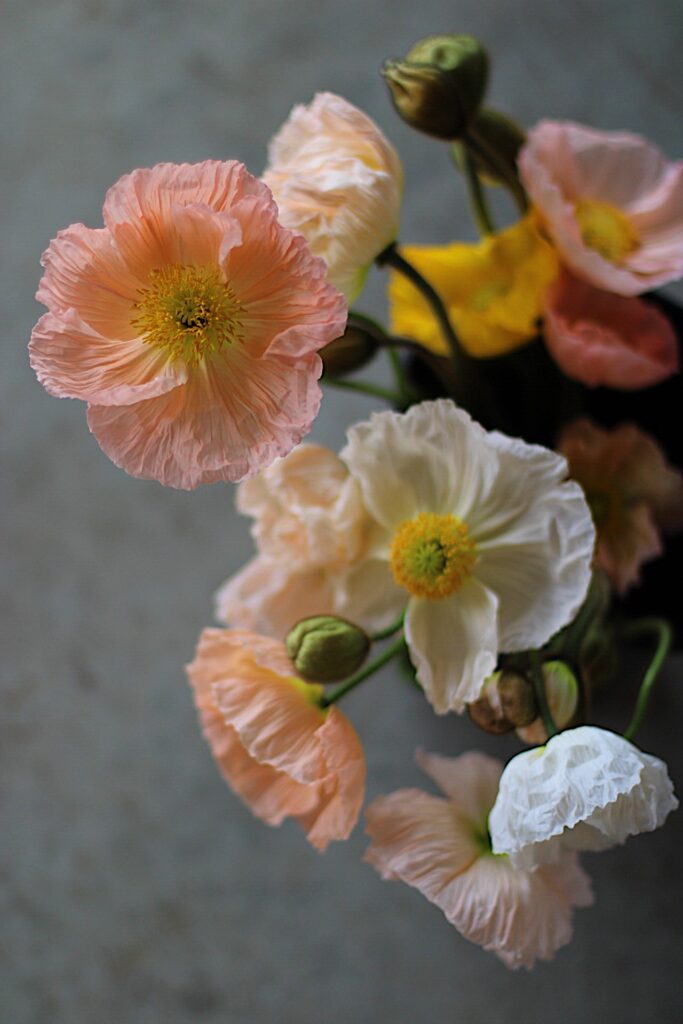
column 325, row 648
column 487, row 712
column 440, row 85
column 353, row 350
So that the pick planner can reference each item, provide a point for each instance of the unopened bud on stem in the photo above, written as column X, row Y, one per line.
column 325, row 648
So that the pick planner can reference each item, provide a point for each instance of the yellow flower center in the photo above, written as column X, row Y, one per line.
column 432, row 555
column 606, row 229
column 190, row 311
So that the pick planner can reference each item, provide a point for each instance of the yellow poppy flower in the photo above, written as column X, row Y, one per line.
column 493, row 290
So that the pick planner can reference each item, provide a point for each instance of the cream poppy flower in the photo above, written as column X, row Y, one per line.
column 312, row 532
column 338, row 181
column 441, row 847
column 489, row 544
column 587, row 789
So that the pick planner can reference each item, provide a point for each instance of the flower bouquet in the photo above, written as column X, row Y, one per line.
column 482, row 532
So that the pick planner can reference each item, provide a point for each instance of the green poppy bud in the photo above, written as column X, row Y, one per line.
column 440, row 84
column 487, row 712
column 325, row 648
column 354, row 349
column 517, row 698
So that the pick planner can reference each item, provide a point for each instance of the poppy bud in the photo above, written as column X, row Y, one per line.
column 354, row 349
column 440, row 84
column 325, row 648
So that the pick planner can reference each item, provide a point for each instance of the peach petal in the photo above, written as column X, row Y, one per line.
column 271, row 795
column 209, row 430
column 603, row 339
column 281, row 753
column 470, row 781
column 138, row 208
column 72, row 360
column 84, row 272
column 270, row 598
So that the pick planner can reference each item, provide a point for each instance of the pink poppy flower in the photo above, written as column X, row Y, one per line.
column 603, row 339
column 441, row 846
column 281, row 753
column 190, row 324
column 610, row 201
column 312, row 532
column 632, row 491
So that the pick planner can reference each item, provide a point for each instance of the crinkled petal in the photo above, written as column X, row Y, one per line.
column 210, row 429
column 587, row 789
column 367, row 594
column 470, row 781
column 433, row 458
column 269, row 597
column 453, row 644
column 602, row 339
column 521, row 916
column 72, row 360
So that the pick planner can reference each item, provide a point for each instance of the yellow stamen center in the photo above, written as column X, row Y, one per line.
column 432, row 555
column 190, row 311
column 606, row 229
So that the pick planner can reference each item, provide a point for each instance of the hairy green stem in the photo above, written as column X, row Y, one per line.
column 364, row 388
column 480, row 210
column 661, row 630
column 391, row 651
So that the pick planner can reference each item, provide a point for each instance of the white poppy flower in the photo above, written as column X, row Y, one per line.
column 587, row 789
column 483, row 534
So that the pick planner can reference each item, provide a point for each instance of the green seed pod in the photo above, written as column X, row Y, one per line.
column 517, row 698
column 440, row 84
column 325, row 648
column 354, row 349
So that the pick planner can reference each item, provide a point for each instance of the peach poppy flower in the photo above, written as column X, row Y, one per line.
column 339, row 181
column 603, row 339
column 312, row 532
column 441, row 847
column 281, row 753
column 190, row 324
column 611, row 203
column 632, row 491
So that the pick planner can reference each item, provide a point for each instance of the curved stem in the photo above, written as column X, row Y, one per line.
column 662, row 631
column 393, row 628
column 360, row 677
column 363, row 388
column 480, row 210
column 539, row 691
column 505, row 171
column 392, row 257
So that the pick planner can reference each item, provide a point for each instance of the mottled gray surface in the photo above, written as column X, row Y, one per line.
column 135, row 888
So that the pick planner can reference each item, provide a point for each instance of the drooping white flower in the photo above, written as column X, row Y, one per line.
column 489, row 543
column 587, row 789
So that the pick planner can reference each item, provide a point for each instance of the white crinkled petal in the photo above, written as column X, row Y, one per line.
column 433, row 458
column 453, row 644
column 587, row 789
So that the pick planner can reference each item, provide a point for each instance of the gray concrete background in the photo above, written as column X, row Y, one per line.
column 135, row 888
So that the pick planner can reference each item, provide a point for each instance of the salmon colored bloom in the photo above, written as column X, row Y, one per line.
column 440, row 846
column 312, row 532
column 281, row 753
column 611, row 203
column 338, row 181
column 190, row 325
column 493, row 291
column 633, row 493
column 603, row 339
column 487, row 541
